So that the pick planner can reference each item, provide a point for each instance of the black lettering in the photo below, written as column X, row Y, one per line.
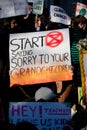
column 66, row 55
column 22, row 42
column 61, row 16
column 14, row 63
column 34, row 40
column 16, row 45
column 28, row 42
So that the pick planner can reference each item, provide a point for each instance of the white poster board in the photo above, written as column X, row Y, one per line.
column 10, row 8
column 40, row 57
column 59, row 15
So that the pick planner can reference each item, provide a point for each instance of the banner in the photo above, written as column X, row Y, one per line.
column 10, row 8
column 83, row 64
column 40, row 57
column 45, row 116
column 81, row 9
column 59, row 15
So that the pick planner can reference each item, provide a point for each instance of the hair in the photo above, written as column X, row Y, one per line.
column 30, row 3
column 78, row 19
column 66, row 128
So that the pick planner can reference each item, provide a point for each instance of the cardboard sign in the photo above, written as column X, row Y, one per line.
column 46, row 116
column 40, row 57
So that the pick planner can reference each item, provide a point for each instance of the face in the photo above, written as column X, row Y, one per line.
column 13, row 23
column 82, row 26
column 30, row 8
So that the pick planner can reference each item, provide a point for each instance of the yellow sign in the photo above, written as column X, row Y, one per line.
column 83, row 64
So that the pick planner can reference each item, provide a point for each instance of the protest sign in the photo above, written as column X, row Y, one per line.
column 81, row 9
column 10, row 8
column 59, row 15
column 21, row 7
column 38, row 6
column 6, row 8
column 83, row 64
column 46, row 116
column 40, row 57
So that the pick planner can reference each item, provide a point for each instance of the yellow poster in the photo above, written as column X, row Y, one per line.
column 83, row 64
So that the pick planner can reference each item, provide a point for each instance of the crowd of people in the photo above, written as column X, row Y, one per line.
column 67, row 91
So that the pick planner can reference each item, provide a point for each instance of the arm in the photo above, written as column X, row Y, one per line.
column 65, row 94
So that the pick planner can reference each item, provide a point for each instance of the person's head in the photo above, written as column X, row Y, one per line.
column 13, row 23
column 45, row 94
column 80, row 22
column 30, row 7
column 25, row 126
column 37, row 23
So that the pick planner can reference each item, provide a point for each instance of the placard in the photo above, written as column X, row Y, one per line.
column 46, row 116
column 40, row 57
column 59, row 15
column 10, row 8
